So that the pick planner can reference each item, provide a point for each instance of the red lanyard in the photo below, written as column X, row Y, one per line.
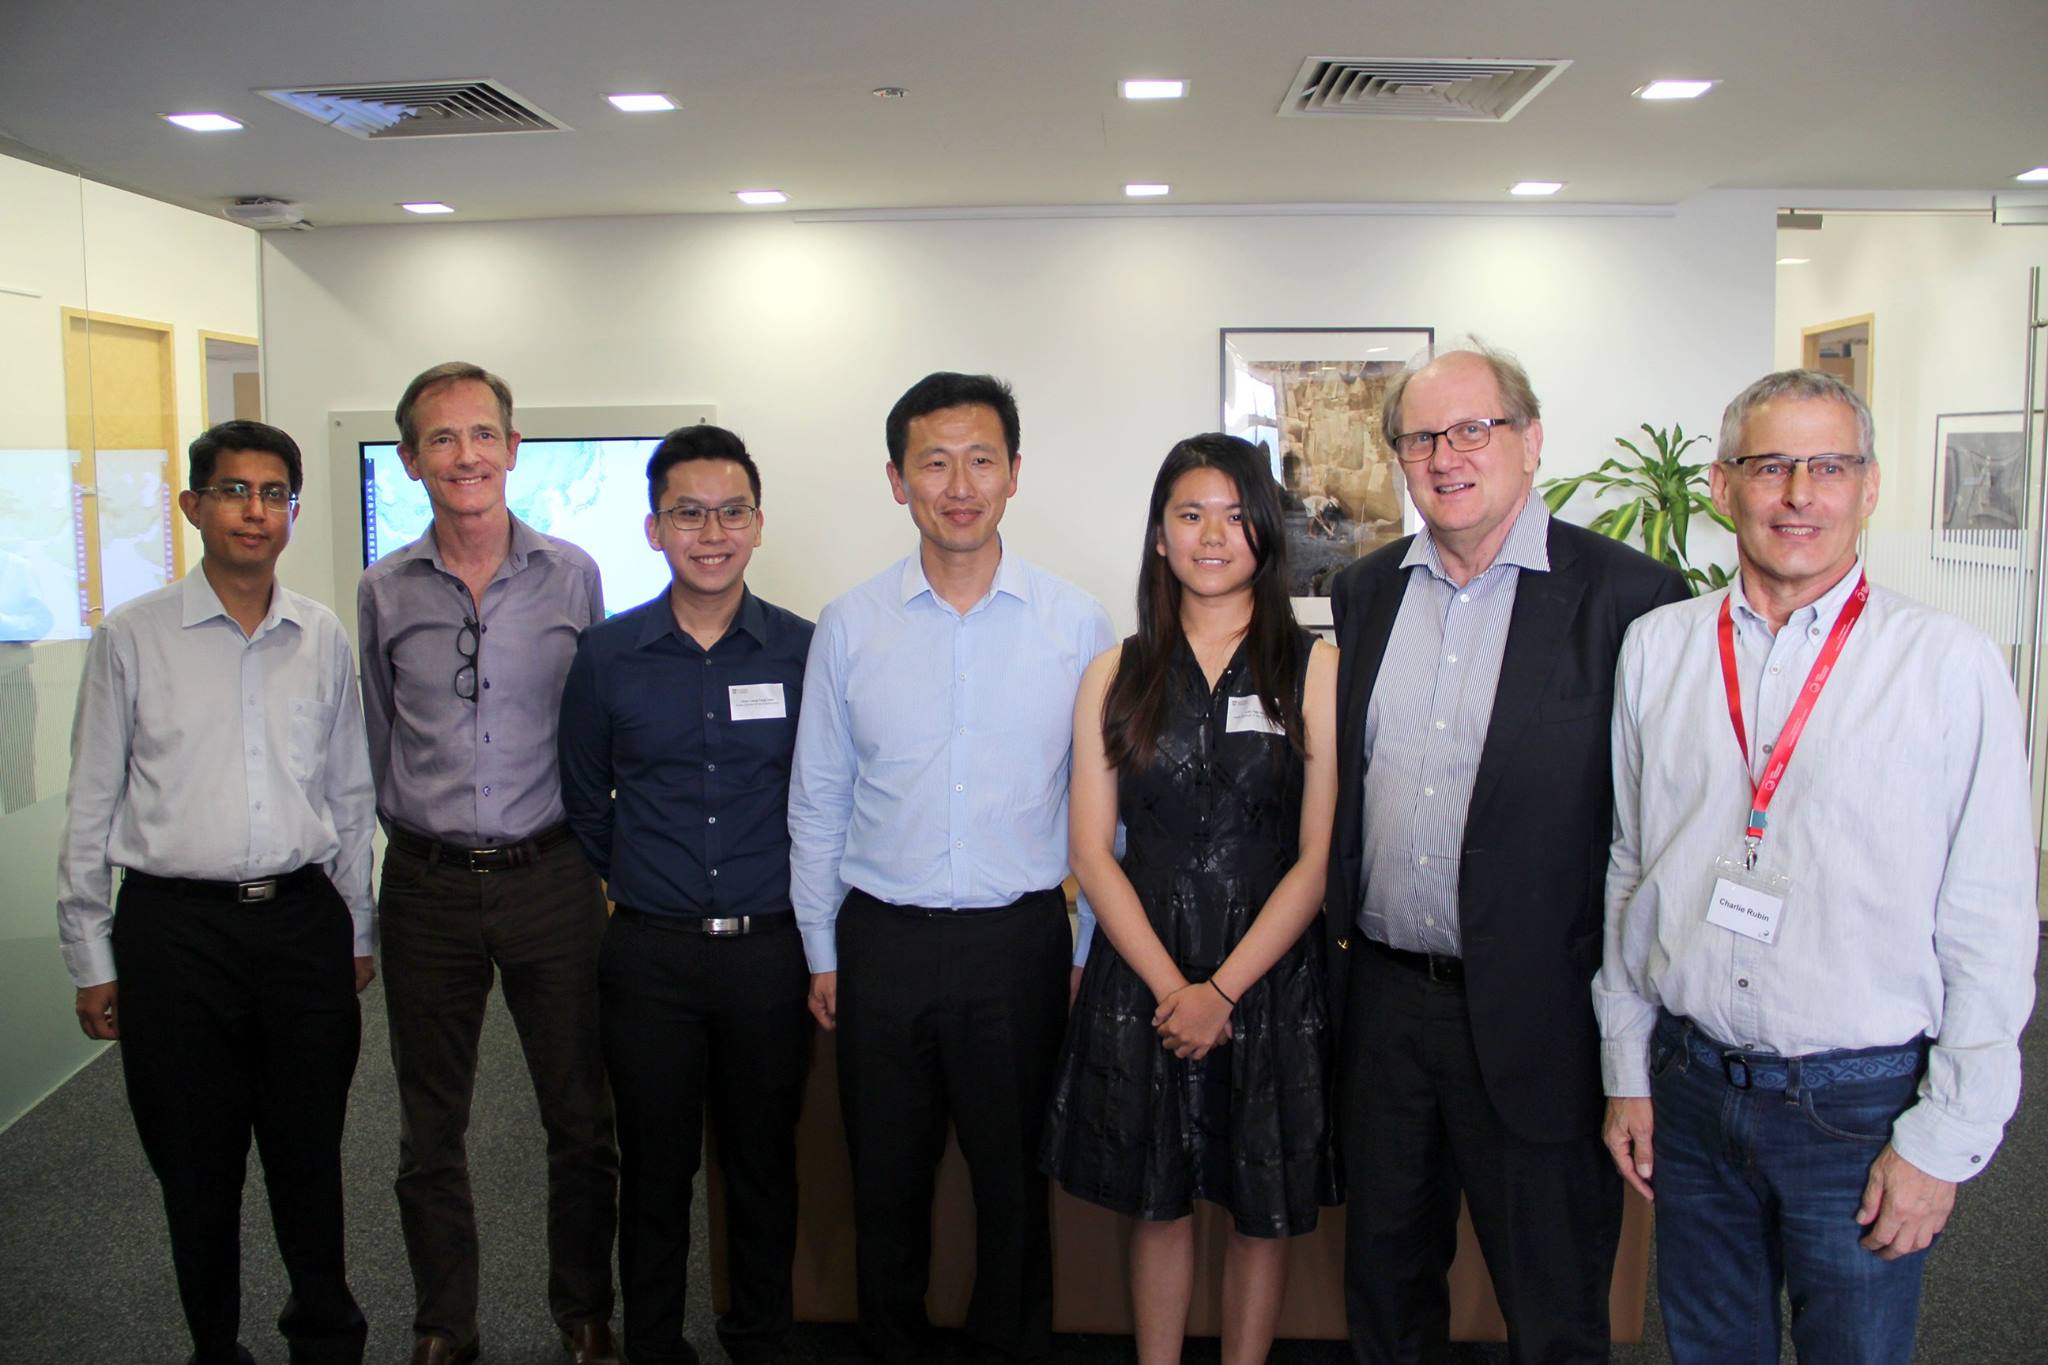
column 1762, row 790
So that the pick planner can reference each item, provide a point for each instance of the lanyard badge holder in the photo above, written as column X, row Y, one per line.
column 1746, row 899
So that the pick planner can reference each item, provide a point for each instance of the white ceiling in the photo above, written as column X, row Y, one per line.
column 1014, row 104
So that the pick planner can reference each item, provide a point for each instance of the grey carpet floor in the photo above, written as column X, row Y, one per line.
column 85, row 1274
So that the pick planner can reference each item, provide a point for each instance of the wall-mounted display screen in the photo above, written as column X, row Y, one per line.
column 592, row 493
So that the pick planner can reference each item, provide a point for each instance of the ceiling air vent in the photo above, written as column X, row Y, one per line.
column 1458, row 89
column 418, row 109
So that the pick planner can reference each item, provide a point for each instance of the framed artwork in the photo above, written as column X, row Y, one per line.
column 1980, row 487
column 1310, row 396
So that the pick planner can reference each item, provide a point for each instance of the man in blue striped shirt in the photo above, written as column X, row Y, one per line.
column 928, row 826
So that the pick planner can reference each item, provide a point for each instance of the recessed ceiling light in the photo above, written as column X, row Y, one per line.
column 1374, row 350
column 1147, row 191
column 2038, row 173
column 760, row 196
column 1674, row 90
column 1153, row 89
column 648, row 102
column 204, row 123
column 1794, row 260
column 1536, row 187
column 427, row 206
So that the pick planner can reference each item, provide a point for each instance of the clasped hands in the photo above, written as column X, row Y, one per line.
column 1192, row 1019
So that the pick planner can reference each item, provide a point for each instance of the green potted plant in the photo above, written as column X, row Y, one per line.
column 1663, row 495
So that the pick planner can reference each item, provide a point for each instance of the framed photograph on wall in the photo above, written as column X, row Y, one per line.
column 1310, row 396
column 1980, row 478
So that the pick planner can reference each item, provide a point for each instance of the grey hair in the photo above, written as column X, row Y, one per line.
column 1517, row 397
column 448, row 372
column 1804, row 385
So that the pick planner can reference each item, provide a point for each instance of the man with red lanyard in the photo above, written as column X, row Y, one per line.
column 1820, row 911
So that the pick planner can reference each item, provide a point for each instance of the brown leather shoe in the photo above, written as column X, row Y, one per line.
column 591, row 1344
column 439, row 1350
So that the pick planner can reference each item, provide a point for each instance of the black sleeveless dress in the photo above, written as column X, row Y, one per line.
column 1211, row 826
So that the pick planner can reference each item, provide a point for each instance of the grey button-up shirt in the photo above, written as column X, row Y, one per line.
column 482, row 772
column 203, row 751
column 1903, row 823
column 1424, row 729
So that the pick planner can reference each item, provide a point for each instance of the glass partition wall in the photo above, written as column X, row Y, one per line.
column 1936, row 318
column 109, row 304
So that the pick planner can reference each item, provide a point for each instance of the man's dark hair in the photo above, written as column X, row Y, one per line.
column 204, row 452
column 700, row 442
column 937, row 392
column 448, row 372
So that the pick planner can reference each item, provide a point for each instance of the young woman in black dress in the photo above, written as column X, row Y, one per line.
column 1194, row 1063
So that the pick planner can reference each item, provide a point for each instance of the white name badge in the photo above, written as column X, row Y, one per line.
column 1249, row 713
column 1751, row 904
column 756, row 701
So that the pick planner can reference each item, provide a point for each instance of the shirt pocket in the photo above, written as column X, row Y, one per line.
column 312, row 720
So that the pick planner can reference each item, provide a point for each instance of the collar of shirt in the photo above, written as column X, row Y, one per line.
column 525, row 541
column 1010, row 579
column 660, row 622
column 1821, row 612
column 200, row 603
column 1527, row 545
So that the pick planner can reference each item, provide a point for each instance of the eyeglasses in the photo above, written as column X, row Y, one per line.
column 686, row 516
column 1413, row 447
column 1773, row 470
column 276, row 496
column 468, row 643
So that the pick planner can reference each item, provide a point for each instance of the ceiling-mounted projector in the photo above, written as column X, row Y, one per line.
column 262, row 212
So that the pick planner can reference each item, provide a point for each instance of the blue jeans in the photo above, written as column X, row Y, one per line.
column 1757, row 1187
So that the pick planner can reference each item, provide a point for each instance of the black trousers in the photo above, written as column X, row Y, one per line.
column 1417, row 1129
column 692, row 1022
column 951, row 1015
column 445, row 930
column 240, row 1020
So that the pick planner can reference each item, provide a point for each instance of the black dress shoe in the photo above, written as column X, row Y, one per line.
column 591, row 1344
column 433, row 1349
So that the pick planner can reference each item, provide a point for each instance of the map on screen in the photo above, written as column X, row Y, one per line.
column 592, row 493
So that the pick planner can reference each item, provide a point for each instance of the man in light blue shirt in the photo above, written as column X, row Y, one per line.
column 928, row 832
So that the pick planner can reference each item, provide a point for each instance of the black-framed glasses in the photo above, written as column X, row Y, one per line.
column 1773, row 470
column 686, row 516
column 468, row 643
column 276, row 497
column 1413, row 447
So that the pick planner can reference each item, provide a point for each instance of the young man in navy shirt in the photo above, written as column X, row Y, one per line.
column 677, row 726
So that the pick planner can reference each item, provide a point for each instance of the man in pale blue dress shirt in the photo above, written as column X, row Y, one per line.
column 1812, row 992
column 928, row 828
column 218, row 756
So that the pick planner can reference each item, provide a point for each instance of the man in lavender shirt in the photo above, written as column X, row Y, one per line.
column 466, row 636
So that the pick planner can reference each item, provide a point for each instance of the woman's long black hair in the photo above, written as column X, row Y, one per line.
column 1134, row 710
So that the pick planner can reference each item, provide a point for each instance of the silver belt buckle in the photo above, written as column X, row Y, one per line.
column 252, row 893
column 726, row 928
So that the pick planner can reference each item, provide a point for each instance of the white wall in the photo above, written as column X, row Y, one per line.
column 803, row 334
column 1950, row 298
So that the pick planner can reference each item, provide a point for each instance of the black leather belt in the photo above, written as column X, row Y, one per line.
column 497, row 858
column 729, row 926
column 1447, row 970
column 258, row 892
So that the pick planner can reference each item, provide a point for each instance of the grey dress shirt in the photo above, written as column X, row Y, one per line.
column 482, row 772
column 1902, row 821
column 199, row 751
column 1425, row 728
